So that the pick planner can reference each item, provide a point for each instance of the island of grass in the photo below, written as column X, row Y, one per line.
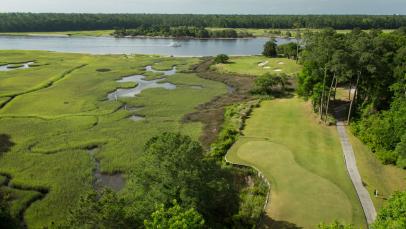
column 258, row 65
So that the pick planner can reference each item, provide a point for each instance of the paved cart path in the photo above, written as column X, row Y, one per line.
column 363, row 195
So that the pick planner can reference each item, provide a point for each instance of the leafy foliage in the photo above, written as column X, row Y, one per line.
column 288, row 50
column 270, row 49
column 335, row 225
column 173, row 167
column 393, row 215
column 10, row 22
column 104, row 210
column 221, row 59
column 372, row 64
column 269, row 83
column 181, row 31
column 175, row 218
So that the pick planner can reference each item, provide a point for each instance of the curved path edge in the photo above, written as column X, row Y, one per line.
column 350, row 162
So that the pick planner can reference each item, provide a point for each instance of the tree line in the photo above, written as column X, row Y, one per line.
column 372, row 67
column 181, row 31
column 32, row 22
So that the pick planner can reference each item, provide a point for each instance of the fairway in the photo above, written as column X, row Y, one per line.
column 59, row 111
column 303, row 162
column 251, row 65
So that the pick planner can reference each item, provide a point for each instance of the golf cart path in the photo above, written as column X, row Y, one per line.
column 363, row 195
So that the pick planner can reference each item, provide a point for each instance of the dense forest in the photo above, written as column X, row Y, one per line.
column 372, row 67
column 181, row 31
column 29, row 22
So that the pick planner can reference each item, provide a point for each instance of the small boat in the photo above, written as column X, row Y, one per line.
column 174, row 44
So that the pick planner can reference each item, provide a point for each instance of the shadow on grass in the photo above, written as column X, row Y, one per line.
column 269, row 223
column 288, row 93
column 5, row 143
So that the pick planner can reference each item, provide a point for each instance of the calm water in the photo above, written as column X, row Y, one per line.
column 5, row 68
column 142, row 84
column 110, row 45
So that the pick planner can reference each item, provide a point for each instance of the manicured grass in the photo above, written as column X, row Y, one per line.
column 376, row 176
column 248, row 65
column 304, row 163
column 63, row 109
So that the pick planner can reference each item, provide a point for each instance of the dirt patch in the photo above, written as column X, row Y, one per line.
column 211, row 114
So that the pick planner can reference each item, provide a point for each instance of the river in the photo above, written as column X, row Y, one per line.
column 160, row 46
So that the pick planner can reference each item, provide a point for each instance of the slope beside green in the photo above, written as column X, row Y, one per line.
column 303, row 162
column 386, row 179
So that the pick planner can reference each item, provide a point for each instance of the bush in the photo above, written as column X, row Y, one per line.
column 270, row 49
column 267, row 83
column 387, row 157
column 225, row 140
column 221, row 59
column 393, row 214
column 175, row 217
column 335, row 225
column 401, row 152
column 288, row 50
column 385, row 132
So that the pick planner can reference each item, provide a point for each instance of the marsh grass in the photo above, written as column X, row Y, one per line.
column 61, row 109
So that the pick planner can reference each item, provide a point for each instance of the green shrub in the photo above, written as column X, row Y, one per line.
column 384, row 132
column 393, row 214
column 175, row 217
column 221, row 59
column 401, row 152
column 269, row 83
column 335, row 225
column 387, row 157
column 226, row 139
column 270, row 49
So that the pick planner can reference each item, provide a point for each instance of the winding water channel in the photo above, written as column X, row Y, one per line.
column 10, row 67
column 142, row 84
